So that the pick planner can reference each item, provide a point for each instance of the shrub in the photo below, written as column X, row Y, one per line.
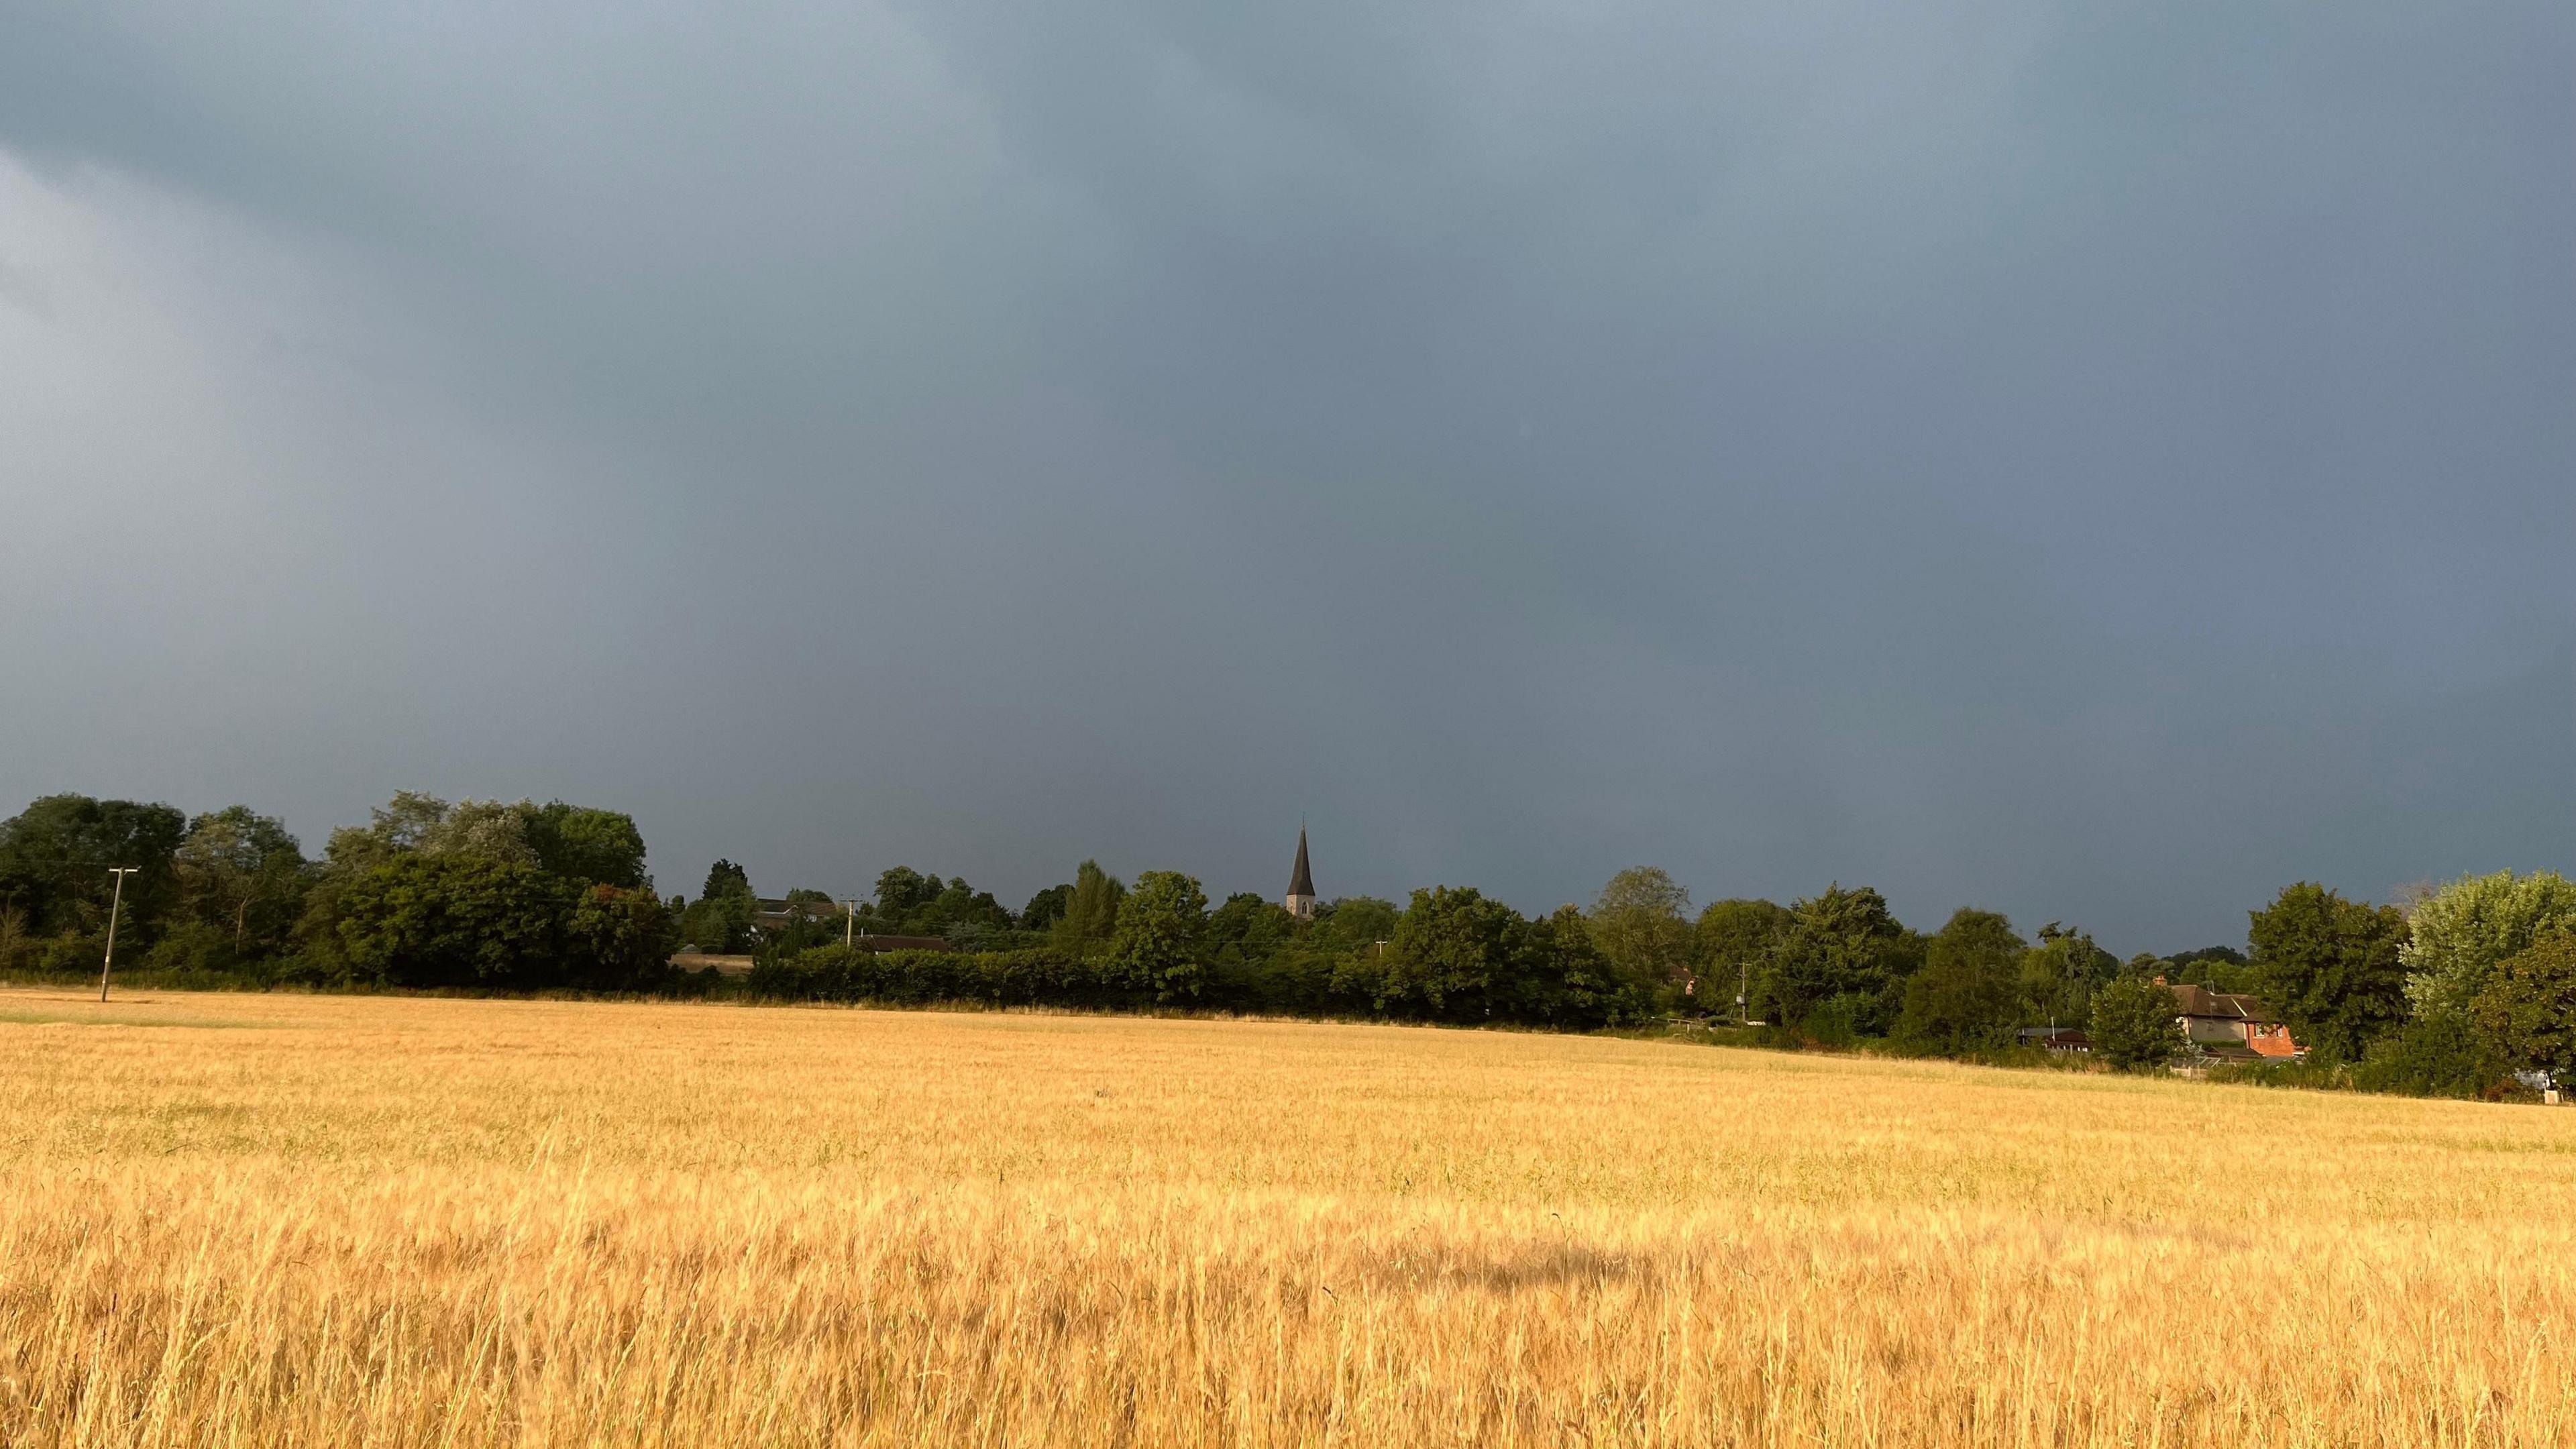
column 2313, row 1073
column 2437, row 1056
column 1043, row 977
column 2134, row 1025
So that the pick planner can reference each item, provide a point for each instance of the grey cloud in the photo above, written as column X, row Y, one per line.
column 2099, row 463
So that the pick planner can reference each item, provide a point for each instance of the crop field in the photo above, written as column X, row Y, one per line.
column 281, row 1220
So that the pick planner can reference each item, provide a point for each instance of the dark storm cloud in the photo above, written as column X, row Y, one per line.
column 2099, row 463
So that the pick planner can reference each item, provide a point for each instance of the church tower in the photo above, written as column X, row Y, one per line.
column 1301, row 884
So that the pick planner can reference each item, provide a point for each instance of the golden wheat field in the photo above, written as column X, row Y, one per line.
column 279, row 1220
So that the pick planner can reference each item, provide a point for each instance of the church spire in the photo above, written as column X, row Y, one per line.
column 1301, row 883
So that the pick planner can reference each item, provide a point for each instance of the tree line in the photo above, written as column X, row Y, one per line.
column 2452, row 993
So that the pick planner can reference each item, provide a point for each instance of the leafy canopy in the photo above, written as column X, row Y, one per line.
column 2464, row 930
column 2331, row 968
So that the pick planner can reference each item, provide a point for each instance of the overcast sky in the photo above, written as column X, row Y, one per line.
column 2098, row 462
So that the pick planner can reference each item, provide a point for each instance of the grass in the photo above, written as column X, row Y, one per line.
column 386, row 1221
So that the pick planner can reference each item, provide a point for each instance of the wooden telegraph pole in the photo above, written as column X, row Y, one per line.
column 116, row 904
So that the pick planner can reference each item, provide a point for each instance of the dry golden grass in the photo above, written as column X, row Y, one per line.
column 277, row 1220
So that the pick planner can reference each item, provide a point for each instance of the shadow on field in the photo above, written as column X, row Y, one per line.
column 1568, row 1265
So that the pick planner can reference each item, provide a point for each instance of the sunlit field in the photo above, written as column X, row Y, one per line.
column 250, row 1220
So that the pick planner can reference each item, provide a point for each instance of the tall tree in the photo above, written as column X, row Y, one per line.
column 602, row 847
column 1968, row 994
column 720, row 919
column 1249, row 927
column 2461, row 932
column 492, row 829
column 1046, row 907
column 55, row 856
column 1353, row 923
column 1564, row 979
column 903, row 890
column 619, row 939
column 2527, row 1009
column 1845, row 949
column 1091, row 916
column 1160, row 934
column 724, row 878
column 1451, row 950
column 243, row 873
column 1736, row 939
column 2061, row 973
column 2330, row 967
column 1641, row 921
column 455, row 919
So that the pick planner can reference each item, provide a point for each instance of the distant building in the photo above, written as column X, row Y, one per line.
column 770, row 916
column 1301, row 884
column 2056, row 1038
column 2229, row 1024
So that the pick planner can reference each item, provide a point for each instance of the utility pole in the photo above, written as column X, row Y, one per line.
column 116, row 903
column 850, row 922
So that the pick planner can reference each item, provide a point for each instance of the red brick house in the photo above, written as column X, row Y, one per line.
column 2230, row 1024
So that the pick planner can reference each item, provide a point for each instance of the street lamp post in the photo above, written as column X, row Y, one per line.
column 116, row 904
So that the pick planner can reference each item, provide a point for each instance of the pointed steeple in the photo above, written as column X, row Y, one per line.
column 1301, row 882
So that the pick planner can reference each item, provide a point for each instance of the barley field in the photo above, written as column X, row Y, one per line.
column 254, row 1221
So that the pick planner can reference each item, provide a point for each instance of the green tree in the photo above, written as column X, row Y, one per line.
column 619, row 939
column 2061, row 973
column 902, row 891
column 461, row 919
column 55, row 856
column 16, row 944
column 1249, row 928
column 1840, row 967
column 1450, row 950
column 2135, row 1025
column 1562, row 978
column 1046, row 908
column 963, row 914
column 1353, row 923
column 2527, row 1009
column 2330, row 967
column 600, row 847
column 1641, row 921
column 1159, row 935
column 2442, row 1055
column 1736, row 939
column 1968, row 994
column 2464, row 930
column 720, row 920
column 2220, row 968
column 724, row 878
column 401, row 825
column 243, row 875
column 1091, row 915
column 493, row 829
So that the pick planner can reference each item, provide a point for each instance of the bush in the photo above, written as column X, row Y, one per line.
column 73, row 953
column 193, row 949
column 2312, row 1073
column 2440, row 1055
column 1044, row 977
column 1836, row 1021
